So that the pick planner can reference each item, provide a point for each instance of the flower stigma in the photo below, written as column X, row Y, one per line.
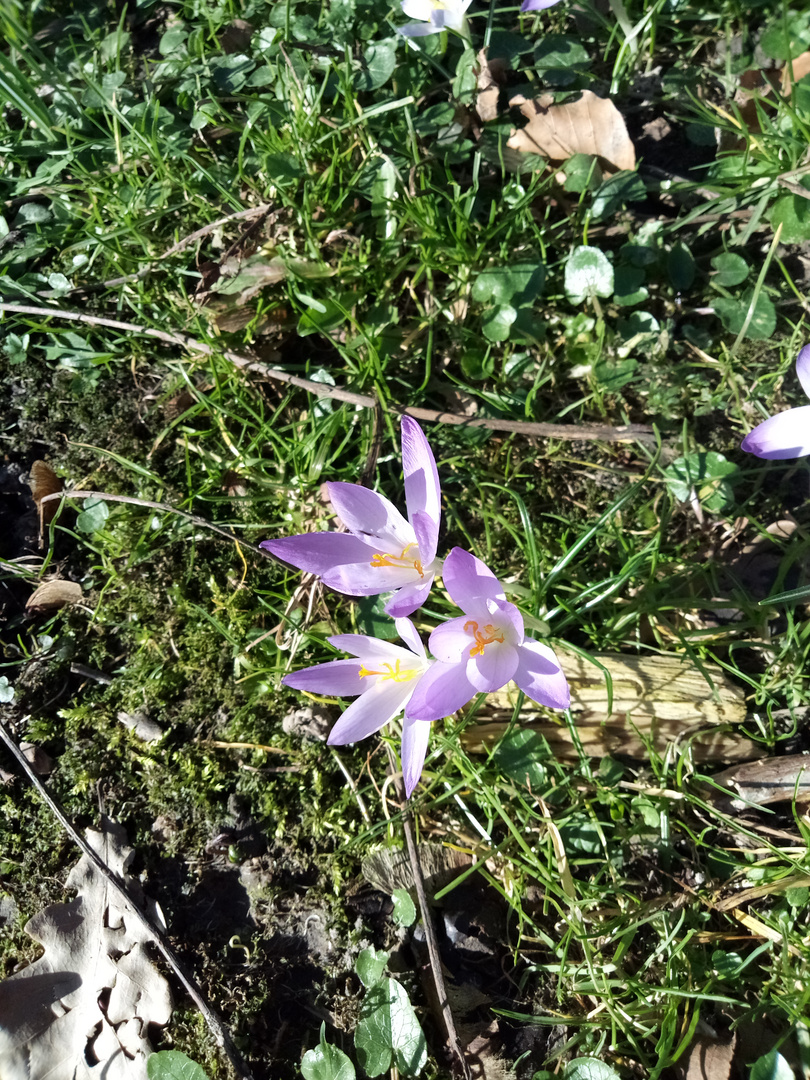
column 399, row 560
column 394, row 672
column 471, row 627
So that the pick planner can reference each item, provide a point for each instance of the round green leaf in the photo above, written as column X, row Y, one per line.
column 729, row 269
column 519, row 755
column 614, row 374
column 680, row 267
column 370, row 966
column 326, row 1062
column 94, row 515
column 792, row 212
column 559, row 51
column 404, row 913
column 517, row 284
column 733, row 314
column 379, row 61
column 589, row 1068
column 771, row 1067
column 629, row 287
column 388, row 1027
column 498, row 323
column 6, row 691
column 588, row 273
column 173, row 1065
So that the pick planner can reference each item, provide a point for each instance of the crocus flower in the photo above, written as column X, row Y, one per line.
column 381, row 551
column 786, row 435
column 481, row 650
column 434, row 16
column 384, row 676
column 536, row 5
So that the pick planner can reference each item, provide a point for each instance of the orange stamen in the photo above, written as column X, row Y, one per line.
column 394, row 672
column 401, row 560
column 481, row 640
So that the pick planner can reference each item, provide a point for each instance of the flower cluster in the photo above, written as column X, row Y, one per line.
column 477, row 652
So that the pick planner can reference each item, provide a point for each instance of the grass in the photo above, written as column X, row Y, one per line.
column 400, row 249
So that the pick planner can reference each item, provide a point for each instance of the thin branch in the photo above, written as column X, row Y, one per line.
column 215, row 1025
column 570, row 432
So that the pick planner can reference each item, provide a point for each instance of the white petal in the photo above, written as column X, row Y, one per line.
column 415, row 736
column 372, row 710
column 786, row 435
column 408, row 632
column 803, row 369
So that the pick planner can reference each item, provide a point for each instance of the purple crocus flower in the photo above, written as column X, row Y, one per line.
column 536, row 5
column 786, row 435
column 435, row 16
column 384, row 676
column 483, row 649
column 381, row 551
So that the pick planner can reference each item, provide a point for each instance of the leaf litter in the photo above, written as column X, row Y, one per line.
column 84, row 1008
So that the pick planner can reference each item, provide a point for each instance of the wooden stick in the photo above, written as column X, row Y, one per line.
column 571, row 432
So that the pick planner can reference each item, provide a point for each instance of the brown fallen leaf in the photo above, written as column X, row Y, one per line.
column 708, row 1059
column 794, row 71
column 54, row 594
column 235, row 38
column 490, row 76
column 43, row 481
column 590, row 125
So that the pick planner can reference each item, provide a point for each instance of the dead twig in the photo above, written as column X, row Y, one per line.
column 215, row 1025
column 531, row 429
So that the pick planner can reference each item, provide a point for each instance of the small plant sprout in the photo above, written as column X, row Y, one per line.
column 786, row 435
column 434, row 16
column 381, row 551
column 481, row 650
column 384, row 676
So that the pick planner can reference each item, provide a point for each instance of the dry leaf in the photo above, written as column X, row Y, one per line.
column 54, row 594
column 656, row 699
column 490, row 75
column 591, row 125
column 390, row 868
column 708, row 1059
column 235, row 38
column 82, row 1010
column 43, row 481
column 799, row 67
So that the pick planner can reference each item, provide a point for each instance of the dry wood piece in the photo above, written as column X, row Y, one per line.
column 768, row 781
column 591, row 125
column 83, row 1008
column 656, row 700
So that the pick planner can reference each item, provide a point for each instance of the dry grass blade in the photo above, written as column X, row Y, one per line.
column 591, row 125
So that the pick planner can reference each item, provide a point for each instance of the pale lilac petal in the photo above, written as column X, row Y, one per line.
column 508, row 618
column 409, row 598
column 415, row 735
column 469, row 581
column 786, row 435
column 442, row 690
column 426, row 531
column 337, row 678
column 803, row 369
column 417, row 9
column 536, row 5
column 318, row 552
column 372, row 710
column 412, row 30
column 370, row 517
column 363, row 579
column 451, row 643
column 494, row 667
column 540, row 677
column 372, row 650
column 409, row 634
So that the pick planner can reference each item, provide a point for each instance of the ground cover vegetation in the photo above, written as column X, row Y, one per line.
column 246, row 236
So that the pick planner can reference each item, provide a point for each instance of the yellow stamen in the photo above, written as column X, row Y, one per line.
column 399, row 560
column 481, row 640
column 394, row 672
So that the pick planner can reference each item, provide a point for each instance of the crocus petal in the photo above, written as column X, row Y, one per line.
column 415, row 735
column 508, row 618
column 370, row 517
column 372, row 651
column 318, row 552
column 442, row 690
column 412, row 30
column 337, row 678
column 786, row 435
column 493, row 668
column 536, row 5
column 363, row 579
column 409, row 598
column 372, row 710
column 803, row 369
column 451, row 643
column 540, row 677
column 426, row 531
column 409, row 634
column 418, row 9
column 468, row 580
